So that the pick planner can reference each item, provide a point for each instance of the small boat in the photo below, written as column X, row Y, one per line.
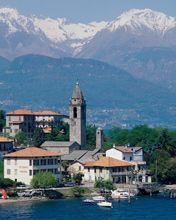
column 105, row 204
column 88, row 201
column 121, row 194
column 98, row 198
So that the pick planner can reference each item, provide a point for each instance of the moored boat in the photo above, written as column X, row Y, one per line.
column 121, row 194
column 98, row 198
column 90, row 201
column 105, row 204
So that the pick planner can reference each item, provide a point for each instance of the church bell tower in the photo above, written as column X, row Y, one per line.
column 77, row 111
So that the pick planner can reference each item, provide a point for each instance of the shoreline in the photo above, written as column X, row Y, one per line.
column 18, row 200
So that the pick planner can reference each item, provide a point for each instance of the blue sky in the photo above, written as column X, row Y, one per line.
column 87, row 10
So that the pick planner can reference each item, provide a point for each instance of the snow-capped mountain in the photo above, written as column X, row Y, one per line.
column 139, row 41
column 57, row 37
column 54, row 37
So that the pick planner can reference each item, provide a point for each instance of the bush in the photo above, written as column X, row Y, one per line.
column 104, row 184
column 5, row 183
column 43, row 180
column 78, row 191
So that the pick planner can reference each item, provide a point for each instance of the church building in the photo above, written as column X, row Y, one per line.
column 77, row 122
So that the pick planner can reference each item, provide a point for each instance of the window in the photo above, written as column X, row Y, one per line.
column 88, row 169
column 131, row 158
column 15, row 161
column 79, row 168
column 123, row 158
column 30, row 172
column 8, row 171
column 100, row 170
column 8, row 162
column 30, row 162
column 36, row 162
column 74, row 112
column 95, row 170
column 15, row 171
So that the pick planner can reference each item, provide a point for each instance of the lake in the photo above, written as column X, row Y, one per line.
column 143, row 208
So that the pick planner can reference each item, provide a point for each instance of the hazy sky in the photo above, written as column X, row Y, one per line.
column 87, row 10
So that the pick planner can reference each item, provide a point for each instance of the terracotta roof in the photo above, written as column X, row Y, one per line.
column 108, row 162
column 32, row 152
column 21, row 112
column 47, row 130
column 5, row 139
column 30, row 112
column 126, row 149
column 46, row 113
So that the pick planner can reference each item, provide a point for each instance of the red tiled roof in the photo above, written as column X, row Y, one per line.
column 5, row 139
column 21, row 112
column 47, row 113
column 126, row 149
column 32, row 152
column 108, row 162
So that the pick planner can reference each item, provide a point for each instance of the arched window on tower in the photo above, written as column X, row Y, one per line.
column 74, row 112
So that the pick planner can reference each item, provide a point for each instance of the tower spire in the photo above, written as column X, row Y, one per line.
column 78, row 117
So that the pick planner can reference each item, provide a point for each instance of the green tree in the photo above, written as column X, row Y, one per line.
column 60, row 133
column 91, row 136
column 104, row 184
column 158, row 163
column 78, row 191
column 164, row 141
column 78, row 178
column 22, row 138
column 170, row 171
column 2, row 120
column 38, row 137
column 43, row 180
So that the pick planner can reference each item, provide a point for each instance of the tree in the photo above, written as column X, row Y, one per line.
column 43, row 180
column 38, row 137
column 91, row 136
column 22, row 138
column 104, row 184
column 158, row 163
column 2, row 120
column 170, row 171
column 78, row 191
column 60, row 133
column 78, row 178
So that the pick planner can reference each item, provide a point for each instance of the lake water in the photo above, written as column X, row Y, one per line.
column 143, row 208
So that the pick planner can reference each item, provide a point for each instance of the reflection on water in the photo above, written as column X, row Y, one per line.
column 145, row 208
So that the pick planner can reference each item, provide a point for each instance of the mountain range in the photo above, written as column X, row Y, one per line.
column 128, row 63
column 40, row 82
column 141, row 42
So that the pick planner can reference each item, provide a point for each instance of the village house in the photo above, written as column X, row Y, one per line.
column 133, row 155
column 77, row 158
column 22, row 165
column 25, row 120
column 63, row 147
column 108, row 168
column 6, row 146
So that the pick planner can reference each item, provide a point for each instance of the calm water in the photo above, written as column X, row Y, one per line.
column 73, row 209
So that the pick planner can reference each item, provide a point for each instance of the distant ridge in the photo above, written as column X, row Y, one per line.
column 41, row 82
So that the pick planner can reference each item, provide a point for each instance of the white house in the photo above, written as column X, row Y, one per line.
column 126, row 153
column 108, row 168
column 22, row 165
column 135, row 156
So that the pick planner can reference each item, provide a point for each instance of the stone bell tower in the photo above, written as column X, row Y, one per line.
column 77, row 111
